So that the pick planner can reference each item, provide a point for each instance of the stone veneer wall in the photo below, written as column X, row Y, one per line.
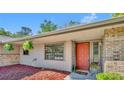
column 114, row 44
column 114, row 66
column 113, row 50
column 9, row 58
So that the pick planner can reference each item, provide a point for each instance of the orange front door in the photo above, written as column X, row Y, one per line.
column 82, row 56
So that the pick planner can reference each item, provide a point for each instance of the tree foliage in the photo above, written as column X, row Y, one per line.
column 72, row 23
column 4, row 32
column 117, row 15
column 47, row 26
column 25, row 31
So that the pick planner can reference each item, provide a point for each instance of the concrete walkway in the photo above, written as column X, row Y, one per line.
column 77, row 76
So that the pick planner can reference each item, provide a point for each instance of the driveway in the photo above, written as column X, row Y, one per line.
column 23, row 72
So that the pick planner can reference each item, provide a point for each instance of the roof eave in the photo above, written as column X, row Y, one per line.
column 73, row 28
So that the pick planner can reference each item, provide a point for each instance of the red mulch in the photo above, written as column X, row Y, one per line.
column 47, row 75
column 16, row 72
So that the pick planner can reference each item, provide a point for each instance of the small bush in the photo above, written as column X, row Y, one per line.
column 8, row 47
column 28, row 45
column 109, row 76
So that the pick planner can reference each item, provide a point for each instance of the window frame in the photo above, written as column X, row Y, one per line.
column 54, row 45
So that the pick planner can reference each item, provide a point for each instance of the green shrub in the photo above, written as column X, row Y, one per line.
column 8, row 47
column 28, row 45
column 109, row 76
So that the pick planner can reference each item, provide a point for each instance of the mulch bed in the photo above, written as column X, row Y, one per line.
column 47, row 75
column 23, row 72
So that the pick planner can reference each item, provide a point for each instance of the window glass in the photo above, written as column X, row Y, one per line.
column 95, row 52
column 54, row 52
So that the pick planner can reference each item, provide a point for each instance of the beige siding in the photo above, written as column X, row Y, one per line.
column 38, row 54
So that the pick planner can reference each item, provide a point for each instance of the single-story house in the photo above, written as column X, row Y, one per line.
column 75, row 47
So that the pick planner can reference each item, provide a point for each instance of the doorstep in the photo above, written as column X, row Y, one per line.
column 83, row 72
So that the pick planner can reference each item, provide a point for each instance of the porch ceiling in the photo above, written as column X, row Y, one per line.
column 74, row 36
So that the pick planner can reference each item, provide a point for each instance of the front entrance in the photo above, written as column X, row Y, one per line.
column 82, row 56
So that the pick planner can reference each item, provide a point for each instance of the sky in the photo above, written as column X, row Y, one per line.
column 14, row 21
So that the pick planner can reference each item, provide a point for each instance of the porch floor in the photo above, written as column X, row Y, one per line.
column 18, row 71
column 91, row 75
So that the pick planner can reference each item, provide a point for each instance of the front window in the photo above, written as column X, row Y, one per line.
column 54, row 52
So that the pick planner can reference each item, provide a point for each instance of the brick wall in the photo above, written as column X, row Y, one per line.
column 113, row 50
column 9, row 58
